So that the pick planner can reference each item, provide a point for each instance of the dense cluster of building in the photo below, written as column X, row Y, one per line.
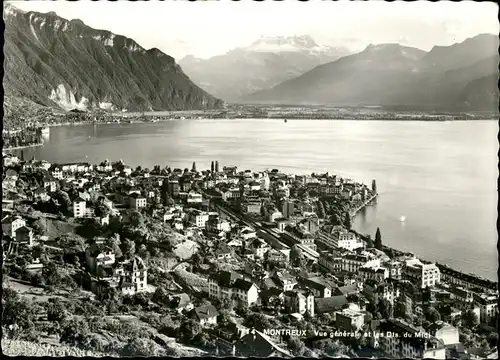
column 273, row 249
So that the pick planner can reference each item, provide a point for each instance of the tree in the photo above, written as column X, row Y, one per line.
column 347, row 221
column 326, row 206
column 492, row 339
column 296, row 346
column 168, row 200
column 224, row 318
column 156, row 170
column 17, row 310
column 331, row 347
column 139, row 347
column 39, row 226
column 193, row 168
column 212, row 167
column 188, row 330
column 56, row 310
column 216, row 166
column 71, row 243
column 456, row 321
column 128, row 247
column 136, row 219
column 386, row 309
column 196, row 259
column 432, row 315
column 114, row 243
column 378, row 240
column 143, row 251
column 227, row 304
column 400, row 309
column 470, row 319
column 160, row 296
column 369, row 242
column 141, row 299
column 321, row 210
column 296, row 257
column 368, row 318
column 63, row 198
column 258, row 321
column 426, row 295
column 74, row 331
column 101, row 210
column 335, row 219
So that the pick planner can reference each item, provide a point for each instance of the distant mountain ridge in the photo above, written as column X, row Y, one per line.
column 263, row 64
column 395, row 75
column 52, row 61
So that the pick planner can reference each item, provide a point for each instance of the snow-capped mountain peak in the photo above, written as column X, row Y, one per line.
column 285, row 43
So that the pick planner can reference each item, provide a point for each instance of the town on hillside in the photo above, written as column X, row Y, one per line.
column 187, row 262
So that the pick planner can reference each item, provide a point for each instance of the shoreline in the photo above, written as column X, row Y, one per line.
column 136, row 121
column 261, row 118
column 22, row 147
column 365, row 204
column 398, row 252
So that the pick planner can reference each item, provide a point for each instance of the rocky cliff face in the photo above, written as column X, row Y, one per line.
column 53, row 61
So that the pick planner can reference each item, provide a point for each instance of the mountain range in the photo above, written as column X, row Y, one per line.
column 55, row 62
column 261, row 65
column 50, row 61
column 460, row 76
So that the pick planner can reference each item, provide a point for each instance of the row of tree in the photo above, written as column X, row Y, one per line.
column 378, row 241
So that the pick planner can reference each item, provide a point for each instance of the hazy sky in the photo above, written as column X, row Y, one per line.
column 212, row 27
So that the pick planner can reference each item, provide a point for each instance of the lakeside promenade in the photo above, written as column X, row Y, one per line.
column 367, row 202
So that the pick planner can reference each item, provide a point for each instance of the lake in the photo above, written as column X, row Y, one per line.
column 442, row 176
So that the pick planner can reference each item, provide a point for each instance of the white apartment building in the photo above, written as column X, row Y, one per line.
column 57, row 173
column 424, row 275
column 231, row 194
column 10, row 225
column 488, row 307
column 137, row 201
column 201, row 220
column 79, row 208
column 352, row 262
column 339, row 239
column 349, row 241
column 194, row 198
